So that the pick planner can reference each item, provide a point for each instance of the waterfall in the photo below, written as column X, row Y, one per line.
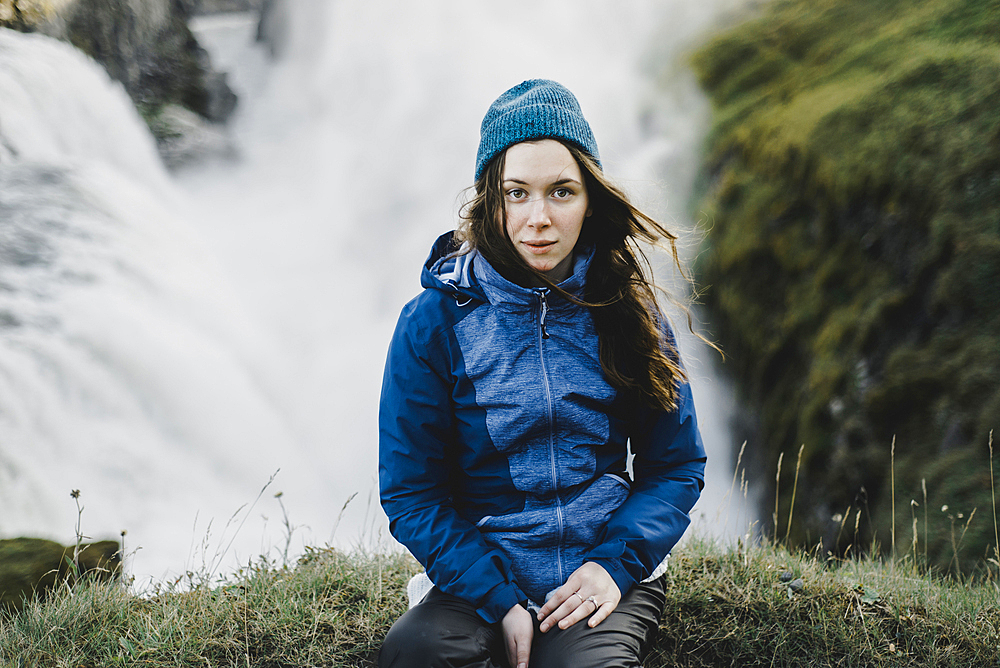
column 128, row 369
column 168, row 342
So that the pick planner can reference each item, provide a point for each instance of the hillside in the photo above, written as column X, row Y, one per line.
column 852, row 190
column 761, row 606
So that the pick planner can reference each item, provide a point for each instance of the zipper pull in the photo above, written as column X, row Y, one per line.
column 545, row 309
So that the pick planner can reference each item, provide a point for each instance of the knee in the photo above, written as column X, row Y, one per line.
column 422, row 639
column 582, row 647
column 401, row 647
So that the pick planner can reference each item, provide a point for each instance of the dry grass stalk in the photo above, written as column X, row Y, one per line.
column 923, row 486
column 892, row 479
column 993, row 496
column 777, row 487
column 795, row 488
column 728, row 499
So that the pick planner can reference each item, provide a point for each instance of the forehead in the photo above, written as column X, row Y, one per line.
column 543, row 160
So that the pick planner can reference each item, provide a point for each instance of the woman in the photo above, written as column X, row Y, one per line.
column 512, row 386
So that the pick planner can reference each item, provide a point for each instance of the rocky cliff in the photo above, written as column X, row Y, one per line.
column 144, row 44
column 852, row 188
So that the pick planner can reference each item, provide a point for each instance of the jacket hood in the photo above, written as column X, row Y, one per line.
column 450, row 270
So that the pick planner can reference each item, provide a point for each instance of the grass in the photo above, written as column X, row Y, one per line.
column 328, row 609
column 746, row 605
column 755, row 603
column 767, row 606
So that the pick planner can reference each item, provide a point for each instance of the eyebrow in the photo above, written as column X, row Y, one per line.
column 560, row 182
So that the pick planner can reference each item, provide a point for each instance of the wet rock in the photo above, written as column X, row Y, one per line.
column 33, row 566
column 220, row 100
column 273, row 26
column 222, row 6
column 149, row 48
column 183, row 137
column 146, row 45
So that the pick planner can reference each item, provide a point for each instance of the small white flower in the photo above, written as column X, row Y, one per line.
column 944, row 508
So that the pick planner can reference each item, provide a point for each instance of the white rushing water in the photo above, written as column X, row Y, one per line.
column 127, row 367
column 168, row 343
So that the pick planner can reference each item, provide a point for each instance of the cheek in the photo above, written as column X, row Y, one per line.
column 575, row 222
column 513, row 224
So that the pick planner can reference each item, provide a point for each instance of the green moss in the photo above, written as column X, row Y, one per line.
column 31, row 567
column 852, row 178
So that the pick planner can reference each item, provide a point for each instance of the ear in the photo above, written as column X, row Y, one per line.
column 590, row 210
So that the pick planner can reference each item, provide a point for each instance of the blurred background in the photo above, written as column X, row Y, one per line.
column 172, row 338
column 212, row 212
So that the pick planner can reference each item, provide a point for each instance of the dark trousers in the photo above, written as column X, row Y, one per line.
column 445, row 632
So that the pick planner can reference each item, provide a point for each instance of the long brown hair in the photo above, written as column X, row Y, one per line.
column 619, row 289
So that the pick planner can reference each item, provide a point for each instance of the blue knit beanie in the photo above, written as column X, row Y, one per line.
column 534, row 109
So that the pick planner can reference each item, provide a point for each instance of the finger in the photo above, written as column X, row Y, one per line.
column 558, row 598
column 568, row 606
column 582, row 611
column 518, row 651
column 512, row 650
column 601, row 614
column 523, row 649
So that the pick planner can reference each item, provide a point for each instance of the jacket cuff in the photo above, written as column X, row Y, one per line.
column 499, row 601
column 617, row 572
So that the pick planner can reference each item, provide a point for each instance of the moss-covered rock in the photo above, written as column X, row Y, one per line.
column 33, row 566
column 148, row 46
column 852, row 185
column 27, row 14
column 144, row 44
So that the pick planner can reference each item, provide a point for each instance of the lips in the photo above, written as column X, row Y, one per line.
column 538, row 246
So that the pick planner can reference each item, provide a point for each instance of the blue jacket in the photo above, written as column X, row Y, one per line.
column 502, row 448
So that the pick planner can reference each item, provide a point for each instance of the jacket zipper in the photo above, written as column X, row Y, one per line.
column 543, row 334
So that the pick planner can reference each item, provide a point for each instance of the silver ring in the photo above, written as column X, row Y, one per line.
column 593, row 599
column 577, row 594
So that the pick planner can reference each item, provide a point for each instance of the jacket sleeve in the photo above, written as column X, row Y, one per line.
column 416, row 425
column 669, row 474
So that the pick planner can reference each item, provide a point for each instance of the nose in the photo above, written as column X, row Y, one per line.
column 538, row 216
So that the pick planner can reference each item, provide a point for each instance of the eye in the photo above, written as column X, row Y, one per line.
column 562, row 193
column 516, row 194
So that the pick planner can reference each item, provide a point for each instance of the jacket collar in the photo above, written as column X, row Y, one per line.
column 499, row 290
column 466, row 273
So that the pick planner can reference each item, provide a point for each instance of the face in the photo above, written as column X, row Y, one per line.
column 546, row 201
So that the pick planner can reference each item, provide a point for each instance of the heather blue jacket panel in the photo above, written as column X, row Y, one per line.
column 503, row 448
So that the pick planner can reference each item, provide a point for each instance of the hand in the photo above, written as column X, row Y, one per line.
column 517, row 633
column 588, row 591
